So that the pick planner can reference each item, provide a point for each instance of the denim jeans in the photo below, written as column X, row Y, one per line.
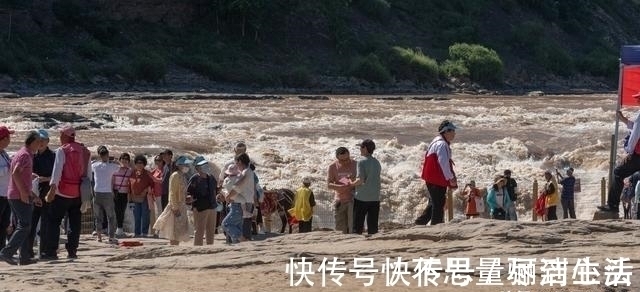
column 232, row 223
column 23, row 213
column 141, row 218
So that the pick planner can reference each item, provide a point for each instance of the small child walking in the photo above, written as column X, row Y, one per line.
column 303, row 204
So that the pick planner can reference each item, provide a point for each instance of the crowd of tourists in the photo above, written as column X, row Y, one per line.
column 44, row 192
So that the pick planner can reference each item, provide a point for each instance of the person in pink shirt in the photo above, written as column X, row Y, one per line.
column 338, row 176
column 21, row 200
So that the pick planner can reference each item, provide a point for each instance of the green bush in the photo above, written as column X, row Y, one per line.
column 370, row 68
column 484, row 64
column 149, row 67
column 454, row 69
column 412, row 65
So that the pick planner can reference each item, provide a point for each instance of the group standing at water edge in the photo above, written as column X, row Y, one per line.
column 161, row 196
column 46, row 190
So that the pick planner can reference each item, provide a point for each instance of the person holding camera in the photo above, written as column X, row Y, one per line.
column 567, row 198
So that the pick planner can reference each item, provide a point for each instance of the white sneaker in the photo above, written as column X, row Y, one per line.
column 119, row 232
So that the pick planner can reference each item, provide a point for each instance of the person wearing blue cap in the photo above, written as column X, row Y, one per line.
column 43, row 167
column 438, row 174
column 203, row 188
column 173, row 223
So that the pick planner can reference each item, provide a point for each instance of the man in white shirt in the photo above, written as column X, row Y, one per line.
column 72, row 162
column 103, row 203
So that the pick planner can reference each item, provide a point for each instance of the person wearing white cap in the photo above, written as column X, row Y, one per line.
column 5, row 163
column 438, row 174
column 71, row 164
column 173, row 223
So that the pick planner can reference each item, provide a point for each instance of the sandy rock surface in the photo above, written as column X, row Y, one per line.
column 260, row 265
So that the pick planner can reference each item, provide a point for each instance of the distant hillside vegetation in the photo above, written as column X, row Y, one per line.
column 312, row 44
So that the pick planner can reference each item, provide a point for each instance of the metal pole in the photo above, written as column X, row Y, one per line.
column 614, row 144
column 603, row 191
column 534, row 215
column 612, row 154
column 450, row 205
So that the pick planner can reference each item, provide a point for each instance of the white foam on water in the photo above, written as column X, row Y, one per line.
column 293, row 138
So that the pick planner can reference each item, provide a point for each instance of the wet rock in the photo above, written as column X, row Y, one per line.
column 390, row 98
column 51, row 119
column 601, row 215
column 99, row 95
column 313, row 97
column 9, row 95
column 104, row 116
column 535, row 93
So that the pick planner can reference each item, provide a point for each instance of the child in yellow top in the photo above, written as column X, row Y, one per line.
column 303, row 204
